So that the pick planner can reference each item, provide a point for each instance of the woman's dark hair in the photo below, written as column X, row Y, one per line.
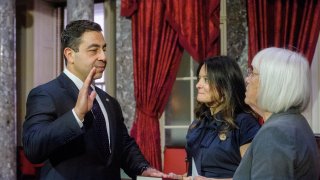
column 226, row 78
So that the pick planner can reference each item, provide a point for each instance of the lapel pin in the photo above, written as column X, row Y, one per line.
column 222, row 136
column 107, row 99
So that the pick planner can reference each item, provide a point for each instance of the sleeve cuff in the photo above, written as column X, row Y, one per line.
column 77, row 118
column 143, row 169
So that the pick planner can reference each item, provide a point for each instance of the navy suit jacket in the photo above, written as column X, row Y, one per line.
column 52, row 135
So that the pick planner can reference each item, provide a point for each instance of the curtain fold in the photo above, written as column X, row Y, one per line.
column 128, row 7
column 156, row 56
column 160, row 31
column 290, row 24
column 197, row 23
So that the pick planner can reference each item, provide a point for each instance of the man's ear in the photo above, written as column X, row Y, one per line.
column 69, row 55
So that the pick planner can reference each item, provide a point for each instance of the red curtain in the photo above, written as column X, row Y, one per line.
column 160, row 31
column 156, row 55
column 197, row 23
column 293, row 24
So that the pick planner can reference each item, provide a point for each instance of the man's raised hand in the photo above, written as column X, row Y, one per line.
column 85, row 100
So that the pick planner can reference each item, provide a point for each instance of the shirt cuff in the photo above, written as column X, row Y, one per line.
column 143, row 169
column 77, row 118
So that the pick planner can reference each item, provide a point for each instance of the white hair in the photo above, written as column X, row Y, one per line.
column 284, row 78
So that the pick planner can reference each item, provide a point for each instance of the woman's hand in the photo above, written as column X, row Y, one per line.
column 180, row 177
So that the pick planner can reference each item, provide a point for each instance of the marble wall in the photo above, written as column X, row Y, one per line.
column 237, row 32
column 8, row 142
column 79, row 9
column 124, row 68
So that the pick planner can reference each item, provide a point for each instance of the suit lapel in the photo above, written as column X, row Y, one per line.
column 69, row 86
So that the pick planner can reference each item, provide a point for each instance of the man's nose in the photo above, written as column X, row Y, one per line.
column 102, row 55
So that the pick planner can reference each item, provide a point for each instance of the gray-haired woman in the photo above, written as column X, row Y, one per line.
column 279, row 90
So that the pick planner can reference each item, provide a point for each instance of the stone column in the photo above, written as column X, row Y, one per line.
column 80, row 9
column 124, row 67
column 8, row 143
column 237, row 32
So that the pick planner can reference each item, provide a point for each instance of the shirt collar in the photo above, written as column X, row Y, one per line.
column 75, row 79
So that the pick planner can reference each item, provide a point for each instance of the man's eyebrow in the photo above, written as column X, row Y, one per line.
column 96, row 46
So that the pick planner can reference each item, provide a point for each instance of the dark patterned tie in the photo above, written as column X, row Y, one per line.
column 99, row 124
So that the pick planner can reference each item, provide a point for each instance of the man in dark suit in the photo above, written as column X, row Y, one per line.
column 75, row 128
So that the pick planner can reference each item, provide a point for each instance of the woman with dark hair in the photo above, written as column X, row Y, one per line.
column 224, row 125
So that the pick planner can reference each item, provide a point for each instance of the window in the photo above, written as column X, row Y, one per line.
column 312, row 112
column 179, row 110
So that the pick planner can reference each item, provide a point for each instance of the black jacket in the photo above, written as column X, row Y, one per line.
column 52, row 135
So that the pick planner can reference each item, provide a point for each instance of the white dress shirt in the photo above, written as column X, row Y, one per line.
column 79, row 84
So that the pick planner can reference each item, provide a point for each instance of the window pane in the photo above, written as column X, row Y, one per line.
column 184, row 68
column 195, row 67
column 175, row 137
column 178, row 108
column 194, row 100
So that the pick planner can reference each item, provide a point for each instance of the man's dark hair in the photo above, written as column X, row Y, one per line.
column 71, row 35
